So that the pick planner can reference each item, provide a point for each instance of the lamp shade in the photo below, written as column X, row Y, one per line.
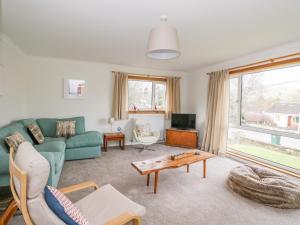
column 111, row 120
column 163, row 42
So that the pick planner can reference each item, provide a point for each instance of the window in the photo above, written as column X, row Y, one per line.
column 146, row 95
column 264, row 115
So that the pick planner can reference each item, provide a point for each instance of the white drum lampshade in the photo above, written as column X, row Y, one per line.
column 163, row 41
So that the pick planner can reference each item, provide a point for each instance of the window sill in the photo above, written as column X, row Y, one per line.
column 274, row 166
column 147, row 112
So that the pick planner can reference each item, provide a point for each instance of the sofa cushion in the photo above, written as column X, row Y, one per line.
column 49, row 139
column 65, row 128
column 36, row 167
column 58, row 158
column 10, row 129
column 88, row 139
column 36, row 132
column 48, row 125
column 14, row 140
column 52, row 146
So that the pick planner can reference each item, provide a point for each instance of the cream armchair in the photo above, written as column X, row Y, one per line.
column 28, row 176
column 144, row 135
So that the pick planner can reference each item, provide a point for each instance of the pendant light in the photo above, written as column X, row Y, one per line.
column 163, row 41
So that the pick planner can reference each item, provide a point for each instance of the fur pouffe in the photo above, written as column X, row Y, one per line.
column 265, row 186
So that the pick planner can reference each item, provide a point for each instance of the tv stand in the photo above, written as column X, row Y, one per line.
column 182, row 138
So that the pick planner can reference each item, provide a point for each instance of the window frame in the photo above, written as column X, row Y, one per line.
column 240, row 94
column 154, row 80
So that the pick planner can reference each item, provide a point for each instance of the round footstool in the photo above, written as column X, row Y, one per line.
column 265, row 186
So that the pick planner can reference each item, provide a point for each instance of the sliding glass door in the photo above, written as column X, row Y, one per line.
column 264, row 116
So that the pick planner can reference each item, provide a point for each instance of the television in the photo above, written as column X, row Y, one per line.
column 183, row 121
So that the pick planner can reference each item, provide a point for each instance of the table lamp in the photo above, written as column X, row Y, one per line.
column 111, row 120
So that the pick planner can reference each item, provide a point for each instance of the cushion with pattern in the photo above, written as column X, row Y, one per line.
column 143, row 130
column 15, row 140
column 63, row 208
column 65, row 128
column 36, row 133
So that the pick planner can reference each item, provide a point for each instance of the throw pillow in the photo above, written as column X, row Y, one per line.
column 15, row 140
column 65, row 128
column 63, row 208
column 36, row 133
column 143, row 130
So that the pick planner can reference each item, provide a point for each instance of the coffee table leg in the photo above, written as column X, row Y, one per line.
column 188, row 168
column 148, row 179
column 204, row 168
column 155, row 182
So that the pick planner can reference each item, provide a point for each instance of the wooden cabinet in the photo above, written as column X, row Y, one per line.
column 182, row 138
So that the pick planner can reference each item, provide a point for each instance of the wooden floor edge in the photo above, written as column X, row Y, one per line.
column 264, row 164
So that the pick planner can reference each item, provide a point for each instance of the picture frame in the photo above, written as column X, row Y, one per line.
column 75, row 89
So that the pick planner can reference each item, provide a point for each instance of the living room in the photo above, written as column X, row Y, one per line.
column 98, row 63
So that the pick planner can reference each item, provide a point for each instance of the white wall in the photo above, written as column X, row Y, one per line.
column 198, row 80
column 33, row 88
column 45, row 92
column 12, row 80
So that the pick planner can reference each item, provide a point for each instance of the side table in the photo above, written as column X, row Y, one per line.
column 118, row 136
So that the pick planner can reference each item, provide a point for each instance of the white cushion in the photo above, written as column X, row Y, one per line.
column 40, row 213
column 149, row 139
column 35, row 165
column 143, row 130
column 107, row 203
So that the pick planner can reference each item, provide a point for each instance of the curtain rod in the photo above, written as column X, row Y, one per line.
column 267, row 63
column 144, row 75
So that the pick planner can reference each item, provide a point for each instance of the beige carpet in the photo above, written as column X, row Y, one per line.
column 182, row 199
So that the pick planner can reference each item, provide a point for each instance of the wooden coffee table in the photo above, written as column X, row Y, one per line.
column 155, row 165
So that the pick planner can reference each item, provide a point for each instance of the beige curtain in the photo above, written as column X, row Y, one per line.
column 172, row 96
column 216, row 127
column 120, row 96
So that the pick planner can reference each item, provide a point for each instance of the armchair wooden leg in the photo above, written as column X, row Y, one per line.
column 137, row 221
column 8, row 213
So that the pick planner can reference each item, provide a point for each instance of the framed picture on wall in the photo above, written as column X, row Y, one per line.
column 74, row 89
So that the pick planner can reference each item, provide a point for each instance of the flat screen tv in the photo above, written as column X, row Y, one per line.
column 183, row 121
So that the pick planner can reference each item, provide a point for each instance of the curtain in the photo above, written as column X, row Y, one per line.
column 216, row 125
column 120, row 96
column 172, row 96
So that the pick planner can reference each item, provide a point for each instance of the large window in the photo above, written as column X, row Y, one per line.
column 146, row 95
column 264, row 115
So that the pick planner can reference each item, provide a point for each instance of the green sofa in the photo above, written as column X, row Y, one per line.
column 55, row 149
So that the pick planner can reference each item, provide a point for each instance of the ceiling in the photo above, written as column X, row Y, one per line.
column 116, row 31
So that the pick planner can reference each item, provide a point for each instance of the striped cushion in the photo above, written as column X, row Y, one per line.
column 15, row 140
column 36, row 133
column 63, row 207
column 65, row 128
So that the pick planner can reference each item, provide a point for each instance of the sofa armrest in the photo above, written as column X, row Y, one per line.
column 53, row 146
column 4, row 164
column 49, row 156
column 87, row 139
